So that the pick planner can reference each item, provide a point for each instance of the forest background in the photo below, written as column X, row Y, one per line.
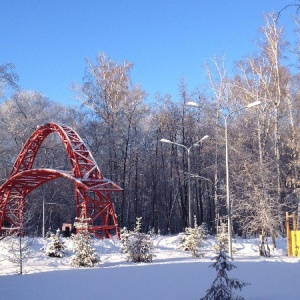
column 123, row 131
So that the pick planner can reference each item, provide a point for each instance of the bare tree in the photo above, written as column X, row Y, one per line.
column 19, row 246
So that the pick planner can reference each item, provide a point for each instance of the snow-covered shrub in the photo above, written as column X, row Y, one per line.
column 55, row 248
column 137, row 245
column 204, row 230
column 222, row 238
column 49, row 233
column 192, row 239
column 85, row 254
column 124, row 239
column 151, row 232
column 223, row 287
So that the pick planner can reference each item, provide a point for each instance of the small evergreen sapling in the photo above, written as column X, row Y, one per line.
column 49, row 233
column 55, row 247
column 124, row 239
column 204, row 229
column 192, row 239
column 222, row 239
column 222, row 287
column 85, row 255
column 136, row 244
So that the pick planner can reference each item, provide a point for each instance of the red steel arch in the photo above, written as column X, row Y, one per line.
column 92, row 190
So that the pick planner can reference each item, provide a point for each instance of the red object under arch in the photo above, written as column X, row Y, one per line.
column 92, row 190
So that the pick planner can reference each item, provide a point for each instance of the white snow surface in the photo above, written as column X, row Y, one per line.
column 173, row 275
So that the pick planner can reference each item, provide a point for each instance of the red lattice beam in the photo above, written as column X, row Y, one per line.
column 92, row 190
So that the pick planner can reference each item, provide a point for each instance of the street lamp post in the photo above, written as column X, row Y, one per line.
column 43, row 227
column 227, row 169
column 189, row 170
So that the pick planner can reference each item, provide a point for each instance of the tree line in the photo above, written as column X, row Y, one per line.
column 123, row 129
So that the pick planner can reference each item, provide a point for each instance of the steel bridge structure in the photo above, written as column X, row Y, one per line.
column 92, row 190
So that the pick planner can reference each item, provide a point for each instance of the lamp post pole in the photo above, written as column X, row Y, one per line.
column 189, row 171
column 228, row 203
column 43, row 227
column 189, row 188
column 227, row 190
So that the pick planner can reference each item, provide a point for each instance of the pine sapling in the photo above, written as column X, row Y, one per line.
column 222, row 239
column 139, row 245
column 124, row 239
column 55, row 247
column 192, row 239
column 49, row 233
column 223, row 287
column 85, row 255
column 204, row 230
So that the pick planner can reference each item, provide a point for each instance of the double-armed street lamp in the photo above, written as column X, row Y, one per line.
column 189, row 169
column 227, row 168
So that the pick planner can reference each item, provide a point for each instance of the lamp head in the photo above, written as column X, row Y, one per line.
column 194, row 104
column 253, row 104
column 199, row 142
column 165, row 141
column 204, row 138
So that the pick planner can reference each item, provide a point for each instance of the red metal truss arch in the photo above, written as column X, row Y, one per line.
column 92, row 190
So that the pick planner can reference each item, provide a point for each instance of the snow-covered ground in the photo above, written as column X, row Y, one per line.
column 173, row 274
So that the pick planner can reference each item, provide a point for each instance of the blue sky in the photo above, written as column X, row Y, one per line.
column 166, row 40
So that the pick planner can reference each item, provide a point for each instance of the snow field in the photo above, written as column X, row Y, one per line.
column 174, row 274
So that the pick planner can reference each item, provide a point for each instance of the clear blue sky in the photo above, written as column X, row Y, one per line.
column 166, row 40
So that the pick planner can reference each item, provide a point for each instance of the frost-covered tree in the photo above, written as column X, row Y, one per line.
column 19, row 250
column 223, row 287
column 138, row 245
column 263, row 247
column 8, row 78
column 19, row 245
column 56, row 247
column 192, row 239
column 85, row 254
column 119, row 106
